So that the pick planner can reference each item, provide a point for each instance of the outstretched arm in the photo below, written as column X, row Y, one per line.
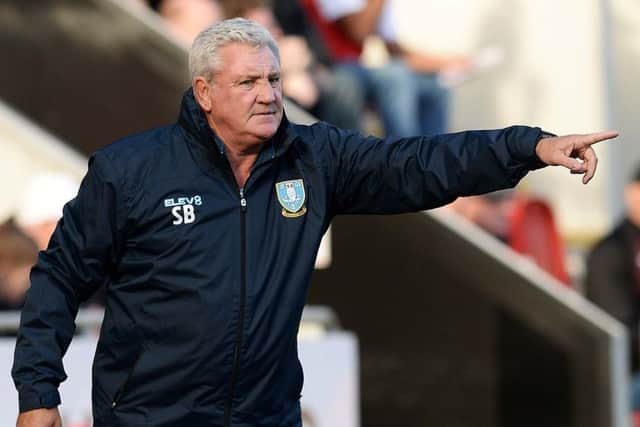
column 386, row 176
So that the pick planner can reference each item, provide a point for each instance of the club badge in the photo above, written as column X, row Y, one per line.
column 291, row 196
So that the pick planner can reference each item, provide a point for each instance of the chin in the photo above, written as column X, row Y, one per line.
column 265, row 132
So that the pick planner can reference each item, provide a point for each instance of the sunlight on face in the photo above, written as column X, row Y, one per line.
column 246, row 95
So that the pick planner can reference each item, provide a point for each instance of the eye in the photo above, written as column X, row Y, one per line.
column 274, row 81
column 247, row 84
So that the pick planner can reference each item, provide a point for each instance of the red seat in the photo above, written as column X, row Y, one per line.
column 533, row 233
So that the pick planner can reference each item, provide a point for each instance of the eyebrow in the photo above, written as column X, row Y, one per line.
column 255, row 76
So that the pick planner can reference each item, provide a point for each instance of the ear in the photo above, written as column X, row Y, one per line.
column 202, row 90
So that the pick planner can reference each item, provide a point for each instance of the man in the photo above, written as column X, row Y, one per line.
column 613, row 276
column 205, row 234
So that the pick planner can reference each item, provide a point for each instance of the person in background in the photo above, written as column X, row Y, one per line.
column 18, row 253
column 613, row 276
column 186, row 18
column 405, row 89
column 40, row 209
column 42, row 203
column 488, row 211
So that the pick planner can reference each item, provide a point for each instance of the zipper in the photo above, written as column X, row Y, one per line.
column 120, row 392
column 243, row 286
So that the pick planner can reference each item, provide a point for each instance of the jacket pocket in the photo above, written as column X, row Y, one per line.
column 121, row 390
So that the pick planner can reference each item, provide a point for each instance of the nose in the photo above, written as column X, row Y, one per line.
column 266, row 93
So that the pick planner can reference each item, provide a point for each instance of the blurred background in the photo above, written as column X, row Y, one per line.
column 519, row 308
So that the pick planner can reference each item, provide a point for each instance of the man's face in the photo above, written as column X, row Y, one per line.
column 243, row 103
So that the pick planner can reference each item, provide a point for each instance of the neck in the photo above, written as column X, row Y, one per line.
column 241, row 163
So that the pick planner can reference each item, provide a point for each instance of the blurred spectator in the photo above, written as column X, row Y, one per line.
column 294, row 21
column 334, row 98
column 35, row 220
column 524, row 223
column 308, row 420
column 405, row 89
column 42, row 203
column 17, row 254
column 41, row 208
column 613, row 276
column 491, row 212
column 187, row 18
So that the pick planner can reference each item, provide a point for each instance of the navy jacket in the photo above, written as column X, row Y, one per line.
column 205, row 282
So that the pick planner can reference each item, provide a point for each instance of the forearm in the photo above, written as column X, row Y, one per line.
column 46, row 328
column 431, row 63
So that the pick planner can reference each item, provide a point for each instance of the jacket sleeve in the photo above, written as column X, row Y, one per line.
column 383, row 176
column 78, row 260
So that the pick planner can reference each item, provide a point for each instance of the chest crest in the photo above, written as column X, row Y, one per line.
column 292, row 198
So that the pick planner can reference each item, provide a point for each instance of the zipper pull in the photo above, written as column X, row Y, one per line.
column 116, row 398
column 243, row 201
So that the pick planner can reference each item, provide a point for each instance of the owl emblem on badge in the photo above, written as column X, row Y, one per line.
column 291, row 192
column 291, row 196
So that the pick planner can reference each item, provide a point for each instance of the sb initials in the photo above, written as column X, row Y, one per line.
column 184, row 214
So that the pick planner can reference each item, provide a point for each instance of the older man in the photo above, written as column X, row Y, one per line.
column 205, row 234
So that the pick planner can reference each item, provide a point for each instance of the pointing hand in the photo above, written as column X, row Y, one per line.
column 573, row 152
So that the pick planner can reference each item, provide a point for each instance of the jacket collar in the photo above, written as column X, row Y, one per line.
column 208, row 149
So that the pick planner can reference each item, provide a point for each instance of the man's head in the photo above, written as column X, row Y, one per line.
column 632, row 198
column 235, row 72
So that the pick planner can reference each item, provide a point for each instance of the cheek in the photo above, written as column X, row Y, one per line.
column 243, row 107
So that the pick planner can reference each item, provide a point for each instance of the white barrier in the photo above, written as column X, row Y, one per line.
column 330, row 397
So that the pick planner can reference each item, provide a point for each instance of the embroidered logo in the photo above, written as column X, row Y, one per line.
column 183, row 208
column 291, row 196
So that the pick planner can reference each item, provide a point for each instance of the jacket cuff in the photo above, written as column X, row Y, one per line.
column 537, row 163
column 33, row 400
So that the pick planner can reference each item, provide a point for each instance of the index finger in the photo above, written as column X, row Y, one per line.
column 592, row 138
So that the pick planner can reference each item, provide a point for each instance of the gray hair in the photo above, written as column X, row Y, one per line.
column 204, row 57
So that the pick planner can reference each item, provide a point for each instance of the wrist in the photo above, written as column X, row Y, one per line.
column 543, row 135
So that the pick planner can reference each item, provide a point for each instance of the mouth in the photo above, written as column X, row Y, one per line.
column 265, row 113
